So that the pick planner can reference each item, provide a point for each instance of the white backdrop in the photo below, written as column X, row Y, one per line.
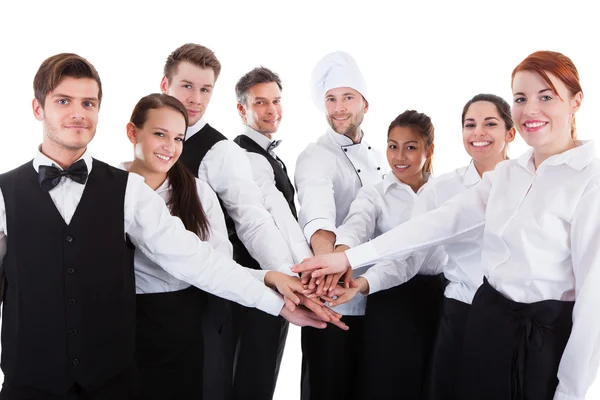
column 431, row 56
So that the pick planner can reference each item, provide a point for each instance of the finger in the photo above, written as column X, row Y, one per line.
column 307, row 265
column 319, row 311
column 348, row 279
column 305, row 278
column 315, row 300
column 289, row 304
column 289, row 294
column 324, row 271
column 346, row 297
column 311, row 319
column 340, row 324
column 328, row 280
column 312, row 284
column 320, row 290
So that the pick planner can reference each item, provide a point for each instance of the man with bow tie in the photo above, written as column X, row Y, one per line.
column 262, row 336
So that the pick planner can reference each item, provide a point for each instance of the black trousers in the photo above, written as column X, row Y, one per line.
column 124, row 386
column 512, row 350
column 170, row 345
column 260, row 344
column 332, row 361
column 400, row 327
column 447, row 351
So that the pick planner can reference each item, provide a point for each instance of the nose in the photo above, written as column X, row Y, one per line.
column 195, row 97
column 531, row 108
column 340, row 106
column 271, row 109
column 478, row 131
column 77, row 111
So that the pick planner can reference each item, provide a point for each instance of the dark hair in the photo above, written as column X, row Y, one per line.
column 54, row 69
column 559, row 65
column 196, row 54
column 501, row 105
column 252, row 78
column 184, row 200
column 421, row 124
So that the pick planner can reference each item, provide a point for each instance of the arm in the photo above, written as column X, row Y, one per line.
column 579, row 363
column 218, row 238
column 279, row 209
column 359, row 225
column 230, row 175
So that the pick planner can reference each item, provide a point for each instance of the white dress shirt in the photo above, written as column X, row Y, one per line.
column 228, row 172
column 463, row 269
column 376, row 210
column 329, row 175
column 541, row 235
column 164, row 241
column 151, row 278
column 273, row 199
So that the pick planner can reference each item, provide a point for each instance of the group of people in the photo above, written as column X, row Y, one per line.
column 175, row 274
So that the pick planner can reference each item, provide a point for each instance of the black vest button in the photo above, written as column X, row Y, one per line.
column 71, row 270
column 73, row 332
column 69, row 239
column 72, row 302
column 75, row 361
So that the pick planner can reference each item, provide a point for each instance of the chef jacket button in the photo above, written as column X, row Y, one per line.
column 378, row 168
column 345, row 149
column 369, row 147
column 358, row 171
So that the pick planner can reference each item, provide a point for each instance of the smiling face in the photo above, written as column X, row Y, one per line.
column 192, row 86
column 70, row 114
column 262, row 109
column 406, row 154
column 543, row 116
column 485, row 135
column 159, row 142
column 345, row 108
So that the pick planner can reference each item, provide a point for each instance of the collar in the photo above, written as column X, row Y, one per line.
column 125, row 165
column 577, row 158
column 42, row 159
column 259, row 138
column 390, row 180
column 471, row 176
column 192, row 130
column 342, row 140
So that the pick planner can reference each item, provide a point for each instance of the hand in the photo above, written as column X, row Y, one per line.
column 324, row 265
column 323, row 312
column 344, row 294
column 287, row 285
column 301, row 316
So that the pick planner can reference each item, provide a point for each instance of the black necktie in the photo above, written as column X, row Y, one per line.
column 49, row 176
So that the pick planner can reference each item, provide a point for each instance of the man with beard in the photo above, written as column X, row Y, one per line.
column 329, row 174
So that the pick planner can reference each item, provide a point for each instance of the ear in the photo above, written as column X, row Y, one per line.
column 241, row 110
column 164, row 84
column 430, row 151
column 38, row 110
column 131, row 132
column 576, row 101
column 366, row 105
column 510, row 135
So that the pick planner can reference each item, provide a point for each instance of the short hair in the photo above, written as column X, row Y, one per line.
column 252, row 78
column 193, row 53
column 58, row 67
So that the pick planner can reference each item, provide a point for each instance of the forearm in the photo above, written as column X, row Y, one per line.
column 322, row 242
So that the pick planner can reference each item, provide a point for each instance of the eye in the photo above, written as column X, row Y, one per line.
column 179, row 139
column 187, row 86
column 470, row 125
column 63, row 101
column 277, row 102
column 519, row 100
column 411, row 147
column 392, row 146
column 205, row 90
column 329, row 99
column 546, row 98
column 89, row 104
column 491, row 124
column 159, row 134
column 348, row 98
column 260, row 102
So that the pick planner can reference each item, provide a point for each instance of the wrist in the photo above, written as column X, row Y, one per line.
column 363, row 285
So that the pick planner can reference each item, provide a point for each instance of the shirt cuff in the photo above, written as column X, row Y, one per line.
column 342, row 238
column 374, row 281
column 561, row 394
column 270, row 302
column 301, row 251
column 317, row 224
column 362, row 255
column 258, row 274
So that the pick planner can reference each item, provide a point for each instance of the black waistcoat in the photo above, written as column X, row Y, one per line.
column 69, row 310
column 282, row 181
column 194, row 150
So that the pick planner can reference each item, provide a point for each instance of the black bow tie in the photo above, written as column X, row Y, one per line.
column 49, row 176
column 273, row 145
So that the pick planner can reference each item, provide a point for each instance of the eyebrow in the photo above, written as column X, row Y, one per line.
column 66, row 96
column 541, row 91
column 485, row 119
column 158, row 128
column 191, row 83
column 266, row 98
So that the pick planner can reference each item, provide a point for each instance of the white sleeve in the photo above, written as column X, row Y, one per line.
column 218, row 237
column 359, row 225
column 314, row 177
column 579, row 363
column 165, row 241
column 463, row 216
column 279, row 208
column 230, row 175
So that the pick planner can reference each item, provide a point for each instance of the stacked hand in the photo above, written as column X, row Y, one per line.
column 299, row 309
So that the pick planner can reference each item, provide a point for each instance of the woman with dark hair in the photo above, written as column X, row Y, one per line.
column 531, row 331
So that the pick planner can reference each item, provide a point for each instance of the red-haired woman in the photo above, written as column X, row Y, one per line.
column 532, row 331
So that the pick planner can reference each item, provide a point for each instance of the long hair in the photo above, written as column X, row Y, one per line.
column 184, row 201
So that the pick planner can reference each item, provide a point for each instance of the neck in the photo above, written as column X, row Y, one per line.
column 415, row 182
column 152, row 179
column 62, row 156
column 484, row 166
column 266, row 134
column 542, row 154
column 355, row 136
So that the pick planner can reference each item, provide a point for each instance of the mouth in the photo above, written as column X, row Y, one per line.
column 76, row 126
column 533, row 126
column 341, row 118
column 401, row 167
column 481, row 143
column 193, row 112
column 270, row 121
column 163, row 157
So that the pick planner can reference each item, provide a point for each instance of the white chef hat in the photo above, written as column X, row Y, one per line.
column 335, row 70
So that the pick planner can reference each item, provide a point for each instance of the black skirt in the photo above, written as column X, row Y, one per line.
column 447, row 351
column 169, row 344
column 399, row 327
column 512, row 350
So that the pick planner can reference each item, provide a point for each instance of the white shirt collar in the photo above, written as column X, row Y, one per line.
column 471, row 176
column 577, row 158
column 125, row 165
column 390, row 180
column 42, row 159
column 259, row 138
column 192, row 130
column 341, row 140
